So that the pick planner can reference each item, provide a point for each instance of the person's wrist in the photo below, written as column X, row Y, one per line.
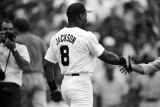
column 53, row 91
column 122, row 61
column 52, row 86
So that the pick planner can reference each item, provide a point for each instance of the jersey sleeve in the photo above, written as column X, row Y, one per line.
column 152, row 66
column 94, row 46
column 51, row 54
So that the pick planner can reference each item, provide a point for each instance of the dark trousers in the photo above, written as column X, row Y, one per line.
column 10, row 95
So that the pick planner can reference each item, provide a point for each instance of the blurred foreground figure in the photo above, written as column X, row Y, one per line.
column 34, row 88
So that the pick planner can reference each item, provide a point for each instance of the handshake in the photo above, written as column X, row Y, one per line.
column 125, row 65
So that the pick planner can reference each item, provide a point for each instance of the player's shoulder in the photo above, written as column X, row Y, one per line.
column 86, row 33
column 91, row 36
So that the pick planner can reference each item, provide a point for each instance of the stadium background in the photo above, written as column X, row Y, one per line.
column 126, row 27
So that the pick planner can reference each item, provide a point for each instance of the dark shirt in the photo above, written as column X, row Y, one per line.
column 36, row 48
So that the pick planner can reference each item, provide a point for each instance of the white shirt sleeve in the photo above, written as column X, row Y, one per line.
column 152, row 66
column 23, row 51
column 51, row 54
column 94, row 46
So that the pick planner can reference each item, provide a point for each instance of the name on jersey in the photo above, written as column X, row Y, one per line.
column 65, row 38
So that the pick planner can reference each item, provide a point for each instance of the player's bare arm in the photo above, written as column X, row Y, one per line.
column 110, row 57
column 49, row 71
column 50, row 76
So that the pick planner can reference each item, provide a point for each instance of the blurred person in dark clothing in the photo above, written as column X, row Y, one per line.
column 14, row 59
column 34, row 89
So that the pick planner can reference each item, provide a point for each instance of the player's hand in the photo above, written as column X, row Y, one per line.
column 56, row 95
column 127, row 68
column 10, row 44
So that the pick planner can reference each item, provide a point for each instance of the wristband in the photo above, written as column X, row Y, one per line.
column 52, row 85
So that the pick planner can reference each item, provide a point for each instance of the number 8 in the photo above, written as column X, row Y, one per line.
column 64, row 55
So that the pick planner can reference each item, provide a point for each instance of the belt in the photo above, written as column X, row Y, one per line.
column 79, row 74
column 9, row 85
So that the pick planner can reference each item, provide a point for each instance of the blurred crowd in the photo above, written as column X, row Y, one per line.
column 126, row 27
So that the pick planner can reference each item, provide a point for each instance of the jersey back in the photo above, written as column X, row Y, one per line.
column 74, row 49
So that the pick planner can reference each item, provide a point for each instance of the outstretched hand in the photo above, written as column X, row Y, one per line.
column 127, row 68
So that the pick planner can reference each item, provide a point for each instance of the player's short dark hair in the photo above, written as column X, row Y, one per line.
column 75, row 9
column 22, row 24
column 6, row 20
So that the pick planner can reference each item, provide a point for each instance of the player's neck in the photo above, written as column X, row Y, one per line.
column 72, row 24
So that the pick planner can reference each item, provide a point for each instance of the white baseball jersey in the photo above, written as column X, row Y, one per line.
column 152, row 66
column 74, row 49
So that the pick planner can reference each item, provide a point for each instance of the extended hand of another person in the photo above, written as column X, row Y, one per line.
column 56, row 95
column 126, row 68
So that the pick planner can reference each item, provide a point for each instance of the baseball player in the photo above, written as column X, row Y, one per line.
column 75, row 49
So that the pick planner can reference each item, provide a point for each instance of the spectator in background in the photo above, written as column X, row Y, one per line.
column 34, row 88
column 14, row 59
column 110, row 86
column 145, row 91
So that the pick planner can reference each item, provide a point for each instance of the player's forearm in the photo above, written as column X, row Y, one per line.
column 137, row 68
column 109, row 57
column 49, row 71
